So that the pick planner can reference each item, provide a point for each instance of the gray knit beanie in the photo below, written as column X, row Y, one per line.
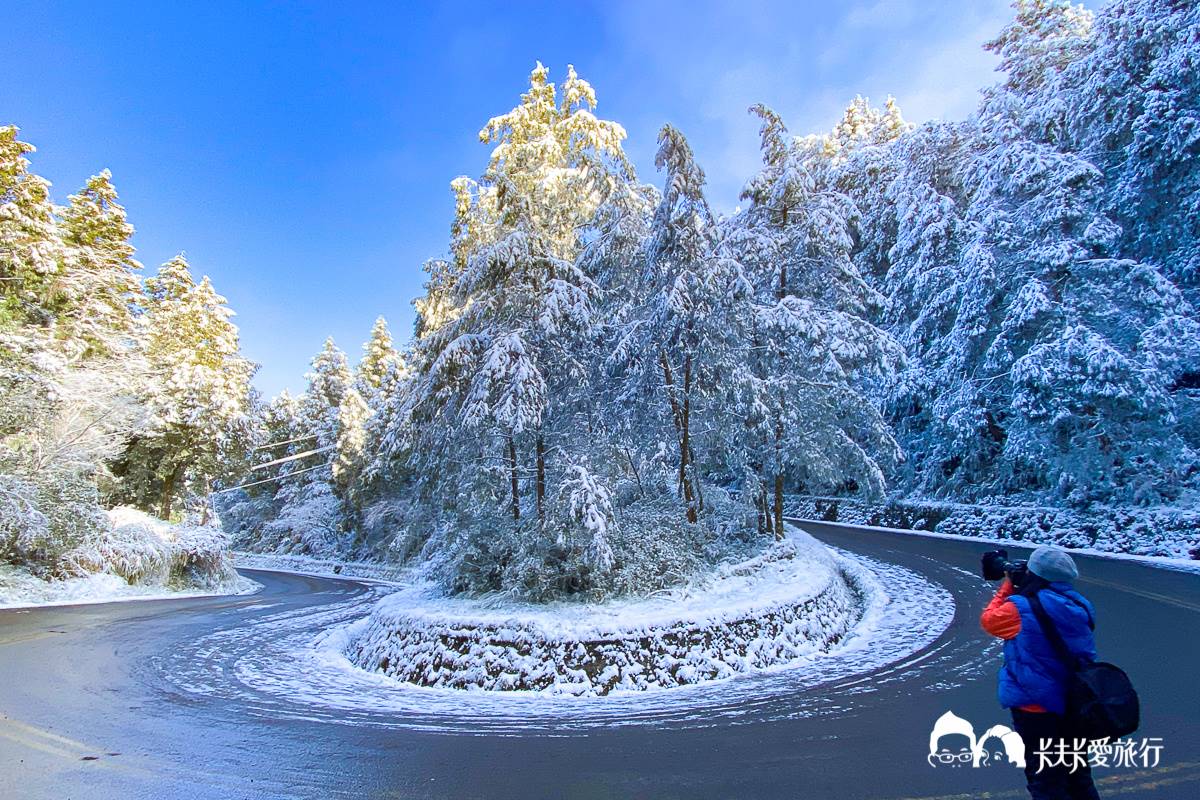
column 1053, row 564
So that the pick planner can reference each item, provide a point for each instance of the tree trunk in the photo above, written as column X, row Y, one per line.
column 207, row 502
column 541, row 479
column 696, row 486
column 685, row 444
column 779, row 479
column 636, row 475
column 512, row 472
column 168, row 494
column 679, row 414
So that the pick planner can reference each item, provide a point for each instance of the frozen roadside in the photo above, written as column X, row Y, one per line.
column 21, row 589
column 324, row 567
column 1178, row 564
column 132, row 556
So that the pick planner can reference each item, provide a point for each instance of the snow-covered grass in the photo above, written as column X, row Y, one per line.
column 134, row 556
column 789, row 602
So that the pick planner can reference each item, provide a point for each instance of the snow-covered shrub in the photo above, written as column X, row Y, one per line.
column 134, row 550
column 21, row 522
column 392, row 529
column 243, row 517
column 311, row 522
column 586, row 516
column 200, row 557
column 42, row 521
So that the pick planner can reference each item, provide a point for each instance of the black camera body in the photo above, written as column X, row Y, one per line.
column 996, row 565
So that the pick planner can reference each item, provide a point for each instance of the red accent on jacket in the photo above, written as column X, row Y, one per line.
column 1001, row 619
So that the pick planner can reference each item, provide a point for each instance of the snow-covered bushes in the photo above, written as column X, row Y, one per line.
column 305, row 519
column 1154, row 531
column 42, row 522
column 1148, row 532
column 75, row 540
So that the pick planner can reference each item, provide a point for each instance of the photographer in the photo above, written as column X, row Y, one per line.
column 1033, row 679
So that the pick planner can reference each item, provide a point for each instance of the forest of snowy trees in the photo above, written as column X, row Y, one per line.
column 611, row 386
column 114, row 390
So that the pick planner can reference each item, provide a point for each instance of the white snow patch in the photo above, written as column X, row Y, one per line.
column 21, row 589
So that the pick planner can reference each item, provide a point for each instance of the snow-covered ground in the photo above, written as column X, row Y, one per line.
column 792, row 601
column 21, row 589
column 1164, row 534
column 139, row 557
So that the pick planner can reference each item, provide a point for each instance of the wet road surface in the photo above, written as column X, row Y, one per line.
column 93, row 705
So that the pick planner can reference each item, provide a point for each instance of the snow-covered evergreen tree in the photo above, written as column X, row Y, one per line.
column 674, row 353
column 381, row 366
column 199, row 394
column 31, row 249
column 493, row 358
column 812, row 350
column 329, row 378
column 99, row 292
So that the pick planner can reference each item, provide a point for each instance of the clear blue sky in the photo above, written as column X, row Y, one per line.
column 300, row 154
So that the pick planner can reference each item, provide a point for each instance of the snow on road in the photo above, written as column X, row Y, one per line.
column 293, row 665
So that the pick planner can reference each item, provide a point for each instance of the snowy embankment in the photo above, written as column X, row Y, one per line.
column 1159, row 533
column 790, row 602
column 138, row 558
column 323, row 567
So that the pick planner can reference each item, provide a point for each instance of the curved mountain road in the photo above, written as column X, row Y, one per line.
column 91, row 707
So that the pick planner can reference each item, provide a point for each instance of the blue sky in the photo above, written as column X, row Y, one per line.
column 300, row 154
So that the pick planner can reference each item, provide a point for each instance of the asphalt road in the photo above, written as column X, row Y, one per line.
column 87, row 712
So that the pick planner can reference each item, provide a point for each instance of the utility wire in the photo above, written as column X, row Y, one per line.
column 286, row 459
column 268, row 480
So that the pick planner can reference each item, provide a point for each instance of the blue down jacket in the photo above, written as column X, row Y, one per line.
column 1032, row 672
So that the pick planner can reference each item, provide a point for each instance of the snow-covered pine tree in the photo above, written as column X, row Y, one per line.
column 31, row 250
column 499, row 321
column 350, row 447
column 673, row 352
column 812, row 348
column 381, row 366
column 100, row 288
column 329, row 378
column 199, row 393
column 1123, row 91
column 1082, row 345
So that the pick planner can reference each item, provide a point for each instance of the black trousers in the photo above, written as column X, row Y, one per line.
column 1051, row 783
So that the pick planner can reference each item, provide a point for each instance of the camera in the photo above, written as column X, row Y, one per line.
column 996, row 565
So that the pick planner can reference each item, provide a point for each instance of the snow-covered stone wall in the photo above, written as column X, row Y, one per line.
column 790, row 602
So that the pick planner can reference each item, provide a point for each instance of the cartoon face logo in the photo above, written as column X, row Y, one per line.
column 952, row 743
column 1000, row 745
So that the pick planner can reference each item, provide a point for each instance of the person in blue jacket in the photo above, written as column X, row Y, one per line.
column 1033, row 679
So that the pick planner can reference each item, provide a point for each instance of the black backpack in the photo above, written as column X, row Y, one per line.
column 1101, row 701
